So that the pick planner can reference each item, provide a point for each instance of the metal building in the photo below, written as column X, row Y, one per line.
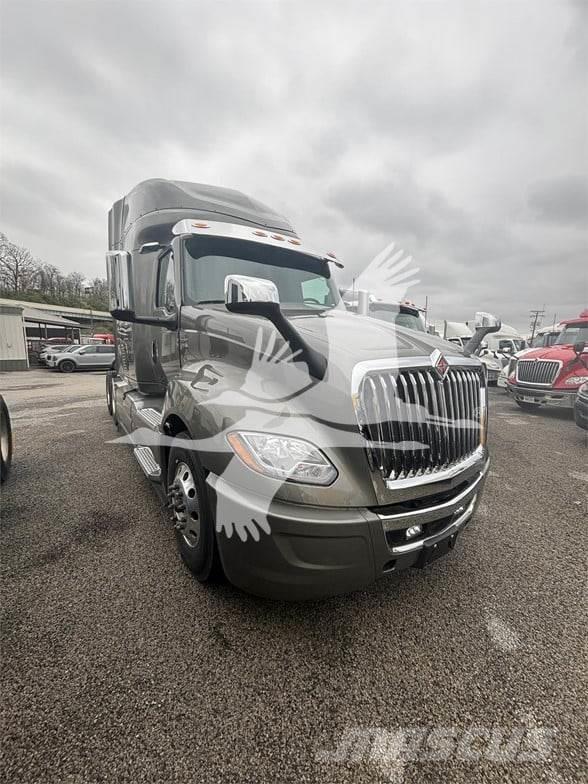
column 13, row 345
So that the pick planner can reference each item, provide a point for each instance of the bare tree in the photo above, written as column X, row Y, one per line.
column 22, row 276
column 18, row 268
column 50, row 280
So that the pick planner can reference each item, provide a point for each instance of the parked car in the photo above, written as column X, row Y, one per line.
column 48, row 351
column 51, row 355
column 5, row 441
column 581, row 407
column 89, row 357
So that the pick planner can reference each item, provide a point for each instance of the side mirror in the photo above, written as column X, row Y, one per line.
column 120, row 293
column 243, row 288
column 260, row 297
column 579, row 347
column 120, row 286
column 485, row 323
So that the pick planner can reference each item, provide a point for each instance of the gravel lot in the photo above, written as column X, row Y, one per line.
column 118, row 666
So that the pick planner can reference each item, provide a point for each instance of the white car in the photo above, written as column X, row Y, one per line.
column 90, row 357
column 49, row 350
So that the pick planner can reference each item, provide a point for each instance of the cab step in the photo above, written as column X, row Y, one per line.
column 150, row 415
column 146, row 459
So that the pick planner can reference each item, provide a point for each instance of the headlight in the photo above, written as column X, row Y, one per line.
column 575, row 380
column 282, row 457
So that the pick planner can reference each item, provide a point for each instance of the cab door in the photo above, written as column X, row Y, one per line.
column 165, row 346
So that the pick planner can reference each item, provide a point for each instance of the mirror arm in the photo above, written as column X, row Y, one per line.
column 316, row 362
column 478, row 336
column 168, row 322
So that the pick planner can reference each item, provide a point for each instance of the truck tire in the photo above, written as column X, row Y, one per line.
column 67, row 366
column 5, row 441
column 528, row 406
column 192, row 515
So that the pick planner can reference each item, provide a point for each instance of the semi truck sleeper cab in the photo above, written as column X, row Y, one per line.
column 304, row 451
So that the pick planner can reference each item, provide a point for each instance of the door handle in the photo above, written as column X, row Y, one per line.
column 154, row 351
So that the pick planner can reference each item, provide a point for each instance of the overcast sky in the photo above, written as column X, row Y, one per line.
column 457, row 129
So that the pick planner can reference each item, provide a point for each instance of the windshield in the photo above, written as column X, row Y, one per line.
column 302, row 281
column 546, row 339
column 394, row 316
column 573, row 333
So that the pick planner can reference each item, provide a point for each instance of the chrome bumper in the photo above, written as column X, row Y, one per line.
column 456, row 512
column 544, row 397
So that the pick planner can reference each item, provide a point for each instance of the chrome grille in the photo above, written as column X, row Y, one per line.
column 541, row 371
column 417, row 424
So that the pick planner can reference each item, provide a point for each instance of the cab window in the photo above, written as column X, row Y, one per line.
column 316, row 291
column 166, row 292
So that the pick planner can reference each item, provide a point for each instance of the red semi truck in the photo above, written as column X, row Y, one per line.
column 552, row 375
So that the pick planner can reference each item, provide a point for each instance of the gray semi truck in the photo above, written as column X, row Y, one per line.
column 302, row 450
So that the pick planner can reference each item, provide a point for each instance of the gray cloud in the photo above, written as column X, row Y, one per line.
column 456, row 129
column 560, row 200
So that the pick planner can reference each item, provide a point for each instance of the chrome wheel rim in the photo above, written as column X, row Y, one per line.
column 186, row 506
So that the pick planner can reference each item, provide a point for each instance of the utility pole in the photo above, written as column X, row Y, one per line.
column 536, row 315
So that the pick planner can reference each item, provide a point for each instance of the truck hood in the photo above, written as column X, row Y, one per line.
column 350, row 338
column 563, row 353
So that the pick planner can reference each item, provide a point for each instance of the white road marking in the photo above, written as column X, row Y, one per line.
column 579, row 475
column 502, row 635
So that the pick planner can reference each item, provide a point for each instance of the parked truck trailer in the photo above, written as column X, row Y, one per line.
column 304, row 451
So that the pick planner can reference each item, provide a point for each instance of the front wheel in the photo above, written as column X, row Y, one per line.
column 67, row 366
column 528, row 406
column 192, row 517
